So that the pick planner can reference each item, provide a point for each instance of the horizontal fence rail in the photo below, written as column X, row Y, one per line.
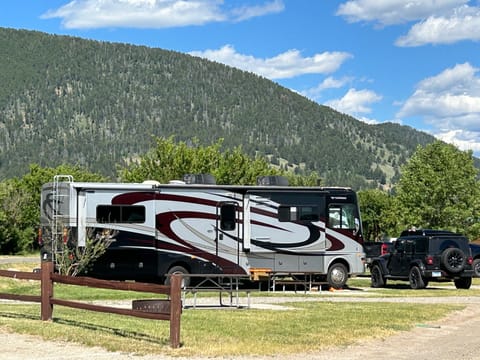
column 48, row 278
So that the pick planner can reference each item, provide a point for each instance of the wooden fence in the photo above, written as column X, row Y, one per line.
column 48, row 278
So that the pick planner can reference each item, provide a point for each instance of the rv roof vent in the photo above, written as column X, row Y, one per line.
column 272, row 180
column 199, row 179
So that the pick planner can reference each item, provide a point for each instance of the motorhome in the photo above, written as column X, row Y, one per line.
column 198, row 227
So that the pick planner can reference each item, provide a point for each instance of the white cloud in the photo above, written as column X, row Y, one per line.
column 464, row 140
column 453, row 96
column 437, row 21
column 389, row 12
column 328, row 83
column 462, row 24
column 355, row 102
column 448, row 102
column 285, row 65
column 247, row 12
column 87, row 14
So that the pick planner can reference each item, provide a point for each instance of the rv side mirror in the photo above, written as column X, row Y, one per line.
column 357, row 226
column 227, row 217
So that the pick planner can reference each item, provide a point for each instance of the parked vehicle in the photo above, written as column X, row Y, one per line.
column 375, row 249
column 476, row 258
column 422, row 256
column 190, row 228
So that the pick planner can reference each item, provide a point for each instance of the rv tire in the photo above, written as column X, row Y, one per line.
column 337, row 276
column 178, row 270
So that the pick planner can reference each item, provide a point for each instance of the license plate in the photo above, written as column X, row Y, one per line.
column 436, row 273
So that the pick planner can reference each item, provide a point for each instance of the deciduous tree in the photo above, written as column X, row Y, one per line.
column 439, row 189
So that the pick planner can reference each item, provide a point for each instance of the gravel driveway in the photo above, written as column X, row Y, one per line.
column 454, row 337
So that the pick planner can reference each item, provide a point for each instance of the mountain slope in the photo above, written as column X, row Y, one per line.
column 97, row 104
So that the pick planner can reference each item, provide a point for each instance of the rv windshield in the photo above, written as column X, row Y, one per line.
column 341, row 216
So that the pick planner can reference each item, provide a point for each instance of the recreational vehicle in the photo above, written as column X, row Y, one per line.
column 204, row 228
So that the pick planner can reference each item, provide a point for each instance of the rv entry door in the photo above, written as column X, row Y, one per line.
column 228, row 229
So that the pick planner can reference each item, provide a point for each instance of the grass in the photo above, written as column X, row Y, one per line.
column 308, row 327
column 305, row 327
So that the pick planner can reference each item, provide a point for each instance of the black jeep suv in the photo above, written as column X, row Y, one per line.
column 421, row 256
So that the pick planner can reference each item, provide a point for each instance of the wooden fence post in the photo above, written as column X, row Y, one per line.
column 46, row 290
column 175, row 309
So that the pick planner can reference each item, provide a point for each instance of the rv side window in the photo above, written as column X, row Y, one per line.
column 295, row 213
column 308, row 213
column 227, row 217
column 287, row 213
column 120, row 214
column 341, row 216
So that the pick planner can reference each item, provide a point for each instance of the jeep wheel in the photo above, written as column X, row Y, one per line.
column 453, row 259
column 476, row 267
column 377, row 279
column 416, row 279
column 337, row 276
column 463, row 283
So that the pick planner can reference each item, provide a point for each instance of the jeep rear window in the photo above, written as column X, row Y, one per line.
column 421, row 245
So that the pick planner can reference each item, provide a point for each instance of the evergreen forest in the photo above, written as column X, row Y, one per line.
column 99, row 105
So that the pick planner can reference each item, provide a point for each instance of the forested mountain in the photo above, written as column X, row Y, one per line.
column 98, row 104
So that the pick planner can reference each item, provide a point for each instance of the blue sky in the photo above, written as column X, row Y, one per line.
column 413, row 62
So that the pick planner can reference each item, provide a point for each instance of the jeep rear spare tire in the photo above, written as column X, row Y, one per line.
column 453, row 260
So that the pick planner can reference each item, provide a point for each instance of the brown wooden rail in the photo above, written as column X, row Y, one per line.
column 48, row 278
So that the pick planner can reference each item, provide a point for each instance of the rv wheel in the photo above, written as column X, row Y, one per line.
column 181, row 271
column 337, row 276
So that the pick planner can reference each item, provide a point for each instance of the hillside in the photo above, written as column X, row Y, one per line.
column 97, row 104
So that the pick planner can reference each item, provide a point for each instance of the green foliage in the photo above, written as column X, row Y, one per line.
column 19, row 205
column 72, row 260
column 170, row 161
column 95, row 104
column 381, row 214
column 375, row 206
column 439, row 189
column 15, row 237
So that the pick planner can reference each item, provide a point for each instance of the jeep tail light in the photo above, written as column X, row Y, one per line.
column 470, row 260
column 384, row 249
column 429, row 260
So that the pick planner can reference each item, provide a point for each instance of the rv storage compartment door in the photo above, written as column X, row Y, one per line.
column 286, row 263
column 312, row 264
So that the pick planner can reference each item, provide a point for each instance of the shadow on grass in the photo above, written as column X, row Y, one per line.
column 11, row 315
column 127, row 334
column 406, row 286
